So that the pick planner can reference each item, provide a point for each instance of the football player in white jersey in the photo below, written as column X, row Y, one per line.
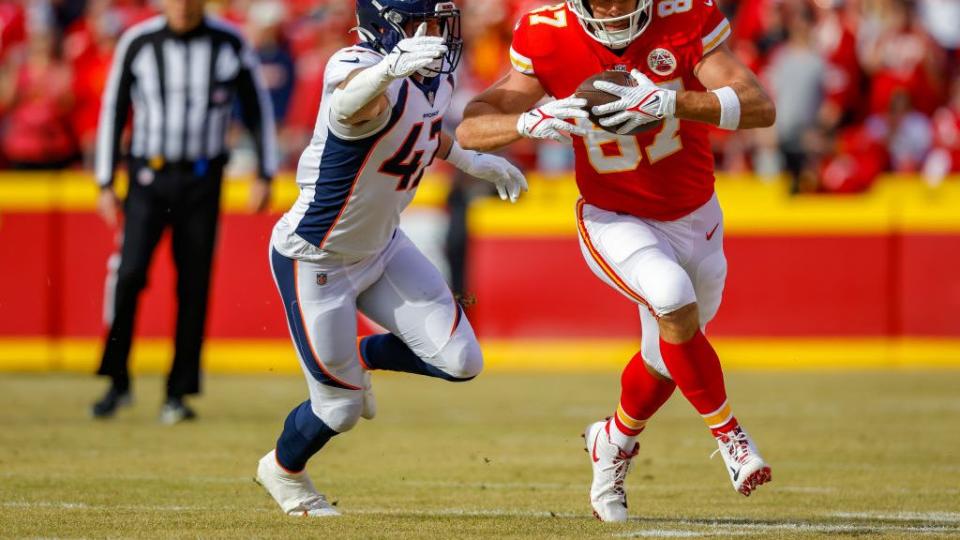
column 339, row 248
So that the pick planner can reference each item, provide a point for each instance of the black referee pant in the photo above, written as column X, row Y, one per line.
column 186, row 198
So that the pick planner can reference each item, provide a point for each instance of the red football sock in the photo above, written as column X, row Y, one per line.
column 695, row 368
column 641, row 395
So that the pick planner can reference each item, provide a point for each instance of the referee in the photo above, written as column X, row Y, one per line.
column 180, row 72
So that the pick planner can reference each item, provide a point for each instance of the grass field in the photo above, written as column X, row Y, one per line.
column 865, row 454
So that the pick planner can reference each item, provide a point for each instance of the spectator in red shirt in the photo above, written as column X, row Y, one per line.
column 903, row 57
column 12, row 28
column 36, row 96
column 944, row 159
column 88, row 46
column 835, row 38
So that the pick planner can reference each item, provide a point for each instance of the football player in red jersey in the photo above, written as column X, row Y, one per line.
column 649, row 222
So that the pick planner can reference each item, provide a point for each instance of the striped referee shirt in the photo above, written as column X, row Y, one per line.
column 182, row 88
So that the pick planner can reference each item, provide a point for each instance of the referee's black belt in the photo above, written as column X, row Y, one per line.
column 198, row 167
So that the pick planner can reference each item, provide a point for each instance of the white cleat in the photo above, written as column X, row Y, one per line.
column 294, row 492
column 747, row 469
column 369, row 401
column 610, row 467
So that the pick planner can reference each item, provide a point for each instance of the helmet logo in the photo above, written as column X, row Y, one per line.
column 395, row 17
column 662, row 62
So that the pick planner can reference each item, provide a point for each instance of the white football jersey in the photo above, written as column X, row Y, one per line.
column 355, row 180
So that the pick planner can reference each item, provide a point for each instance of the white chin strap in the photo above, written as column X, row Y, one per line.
column 615, row 39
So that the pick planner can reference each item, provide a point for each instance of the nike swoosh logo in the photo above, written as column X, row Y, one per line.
column 354, row 61
column 711, row 233
column 595, row 457
column 736, row 473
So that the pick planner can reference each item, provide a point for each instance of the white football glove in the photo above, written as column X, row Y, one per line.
column 638, row 105
column 509, row 180
column 414, row 53
column 549, row 120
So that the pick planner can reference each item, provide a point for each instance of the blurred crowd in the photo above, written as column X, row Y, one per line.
column 862, row 86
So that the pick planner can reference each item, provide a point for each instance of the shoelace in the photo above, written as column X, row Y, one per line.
column 735, row 444
column 621, row 466
column 315, row 501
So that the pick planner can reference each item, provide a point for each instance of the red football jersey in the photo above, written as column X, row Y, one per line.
column 662, row 174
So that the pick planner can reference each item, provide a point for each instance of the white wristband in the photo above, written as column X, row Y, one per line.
column 459, row 158
column 729, row 107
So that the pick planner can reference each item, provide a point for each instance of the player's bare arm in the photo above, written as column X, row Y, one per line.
column 506, row 112
column 490, row 119
column 734, row 99
column 720, row 68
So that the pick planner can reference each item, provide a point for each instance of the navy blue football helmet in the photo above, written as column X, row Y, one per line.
column 383, row 23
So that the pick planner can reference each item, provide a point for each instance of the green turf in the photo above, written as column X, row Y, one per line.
column 874, row 454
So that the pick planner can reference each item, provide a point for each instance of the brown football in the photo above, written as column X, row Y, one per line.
column 596, row 97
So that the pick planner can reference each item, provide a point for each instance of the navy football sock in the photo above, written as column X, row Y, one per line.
column 387, row 351
column 303, row 436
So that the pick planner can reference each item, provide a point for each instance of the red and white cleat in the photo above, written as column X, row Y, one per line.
column 747, row 469
column 610, row 467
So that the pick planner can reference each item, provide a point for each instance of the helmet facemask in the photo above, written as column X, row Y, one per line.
column 601, row 29
column 445, row 16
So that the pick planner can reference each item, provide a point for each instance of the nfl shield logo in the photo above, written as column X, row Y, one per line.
column 662, row 62
column 321, row 278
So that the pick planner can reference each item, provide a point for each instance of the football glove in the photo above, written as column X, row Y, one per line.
column 415, row 53
column 638, row 105
column 508, row 179
column 549, row 121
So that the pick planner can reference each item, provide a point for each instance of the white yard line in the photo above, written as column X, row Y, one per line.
column 934, row 517
column 134, row 478
column 937, row 522
column 759, row 529
column 85, row 506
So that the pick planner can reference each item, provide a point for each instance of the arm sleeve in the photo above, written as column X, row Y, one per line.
column 520, row 57
column 257, row 112
column 716, row 28
column 114, row 109
column 346, row 61
column 343, row 63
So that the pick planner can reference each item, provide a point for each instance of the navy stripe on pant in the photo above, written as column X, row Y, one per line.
column 285, row 274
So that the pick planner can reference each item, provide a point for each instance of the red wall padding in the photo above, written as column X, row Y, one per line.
column 53, row 266
column 776, row 286
column 928, row 283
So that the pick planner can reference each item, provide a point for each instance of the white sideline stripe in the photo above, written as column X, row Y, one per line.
column 709, row 528
column 939, row 517
column 757, row 529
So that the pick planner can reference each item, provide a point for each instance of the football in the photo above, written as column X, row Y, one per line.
column 596, row 97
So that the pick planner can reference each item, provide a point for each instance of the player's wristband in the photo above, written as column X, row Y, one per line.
column 729, row 107
column 458, row 157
